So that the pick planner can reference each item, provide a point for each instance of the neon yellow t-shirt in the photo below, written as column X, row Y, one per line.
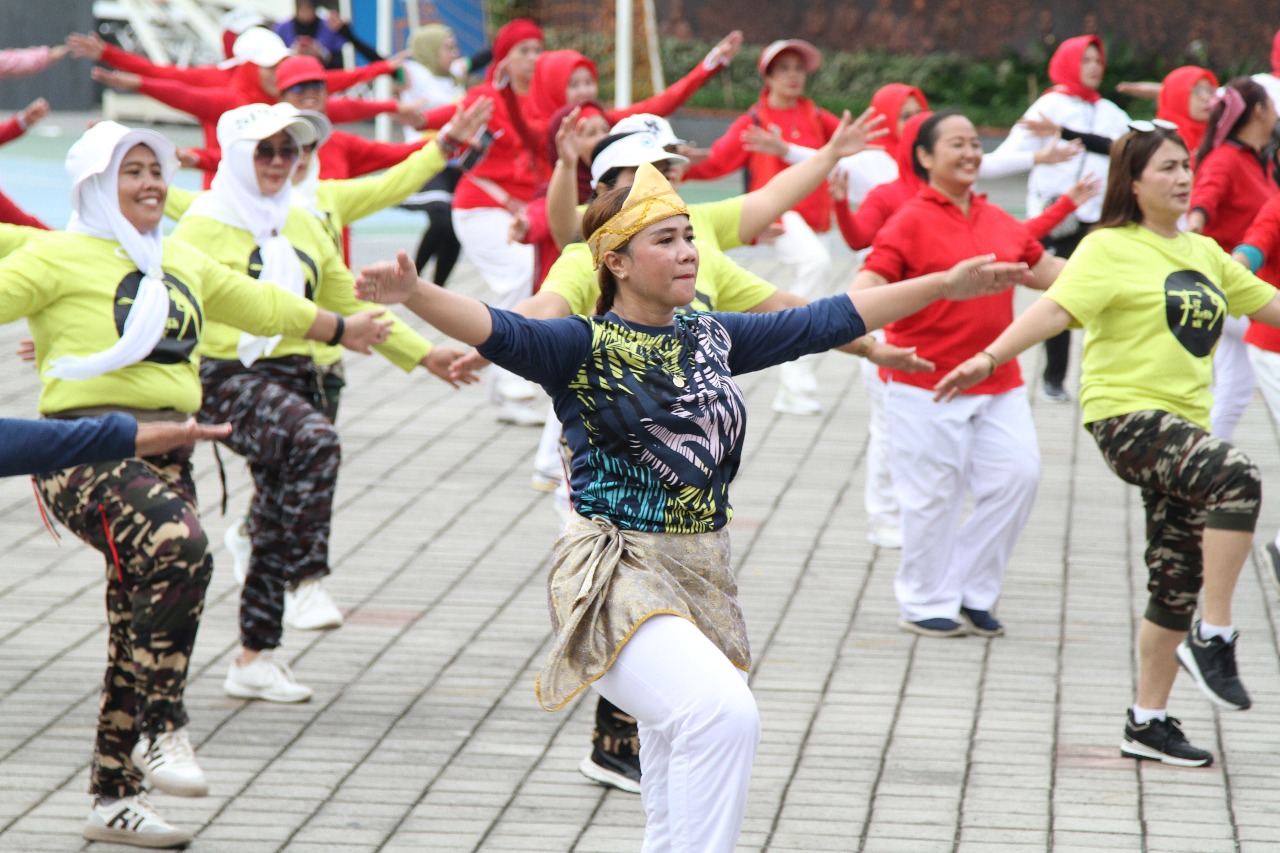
column 75, row 292
column 1152, row 309
column 328, row 283
column 721, row 284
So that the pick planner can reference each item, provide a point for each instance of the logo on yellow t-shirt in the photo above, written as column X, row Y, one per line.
column 182, row 329
column 1195, row 308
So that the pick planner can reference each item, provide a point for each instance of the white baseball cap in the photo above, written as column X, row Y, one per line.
column 91, row 154
column 809, row 54
column 649, row 123
column 259, row 46
column 633, row 149
column 260, row 121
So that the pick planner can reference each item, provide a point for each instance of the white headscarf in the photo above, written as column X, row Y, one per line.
column 94, row 166
column 234, row 198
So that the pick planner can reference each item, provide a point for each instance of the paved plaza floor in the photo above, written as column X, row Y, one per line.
column 424, row 734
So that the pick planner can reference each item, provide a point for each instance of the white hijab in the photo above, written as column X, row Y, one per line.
column 234, row 198
column 94, row 166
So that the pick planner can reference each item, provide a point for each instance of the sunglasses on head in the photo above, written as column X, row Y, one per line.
column 1153, row 125
column 265, row 153
column 306, row 86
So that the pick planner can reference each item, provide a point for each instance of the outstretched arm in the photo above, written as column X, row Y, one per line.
column 1041, row 321
column 458, row 316
column 880, row 303
column 790, row 186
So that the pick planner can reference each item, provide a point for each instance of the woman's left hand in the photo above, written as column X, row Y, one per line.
column 852, row 136
column 983, row 276
column 724, row 52
column 387, row 282
column 467, row 121
column 898, row 358
column 967, row 374
column 365, row 329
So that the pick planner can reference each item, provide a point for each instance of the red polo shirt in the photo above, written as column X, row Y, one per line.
column 1264, row 235
column 931, row 234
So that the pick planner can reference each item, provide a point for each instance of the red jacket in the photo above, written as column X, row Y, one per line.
column 1231, row 185
column 803, row 124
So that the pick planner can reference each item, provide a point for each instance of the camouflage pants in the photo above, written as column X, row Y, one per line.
column 1189, row 480
column 141, row 516
column 293, row 453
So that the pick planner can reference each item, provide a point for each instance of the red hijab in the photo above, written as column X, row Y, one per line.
column 1275, row 54
column 589, row 108
column 511, row 34
column 1064, row 67
column 551, row 79
column 1174, row 102
column 906, row 153
column 888, row 101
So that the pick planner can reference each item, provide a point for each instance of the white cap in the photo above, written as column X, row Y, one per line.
column 320, row 123
column 259, row 121
column 649, row 123
column 811, row 56
column 91, row 154
column 634, row 149
column 259, row 46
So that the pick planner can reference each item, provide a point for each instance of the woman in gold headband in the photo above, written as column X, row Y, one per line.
column 640, row 579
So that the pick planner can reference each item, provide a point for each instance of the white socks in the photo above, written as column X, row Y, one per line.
column 1146, row 715
column 1208, row 632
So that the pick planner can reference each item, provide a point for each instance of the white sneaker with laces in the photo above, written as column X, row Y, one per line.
column 169, row 763
column 310, row 608
column 133, row 820
column 240, row 549
column 264, row 678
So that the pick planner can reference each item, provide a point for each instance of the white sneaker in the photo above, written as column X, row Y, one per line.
column 521, row 414
column 169, row 763
column 794, row 403
column 265, row 678
column 544, row 482
column 799, row 378
column 133, row 820
column 310, row 608
column 885, row 536
column 514, row 388
column 240, row 549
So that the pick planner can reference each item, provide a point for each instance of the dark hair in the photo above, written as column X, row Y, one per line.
column 927, row 138
column 1253, row 95
column 603, row 207
column 1130, row 155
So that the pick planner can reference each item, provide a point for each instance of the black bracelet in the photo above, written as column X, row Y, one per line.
column 341, row 330
column 449, row 146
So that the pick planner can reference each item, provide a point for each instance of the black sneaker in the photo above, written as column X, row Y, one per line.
column 1273, row 564
column 1163, row 741
column 615, row 749
column 1212, row 663
column 982, row 623
column 1053, row 392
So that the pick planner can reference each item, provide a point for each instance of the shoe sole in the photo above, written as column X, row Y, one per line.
column 607, row 777
column 323, row 626
column 913, row 628
column 1133, row 749
column 178, row 789
column 152, row 840
column 237, row 693
column 986, row 633
column 1187, row 661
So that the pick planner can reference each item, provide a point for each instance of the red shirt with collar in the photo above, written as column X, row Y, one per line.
column 1264, row 235
column 929, row 234
column 1231, row 185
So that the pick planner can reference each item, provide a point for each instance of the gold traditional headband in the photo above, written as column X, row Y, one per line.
column 650, row 200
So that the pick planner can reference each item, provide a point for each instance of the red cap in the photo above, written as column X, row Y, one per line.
column 809, row 54
column 298, row 69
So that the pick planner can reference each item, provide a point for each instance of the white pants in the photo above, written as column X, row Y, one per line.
column 1233, row 381
column 507, row 268
column 548, row 460
column 1266, row 368
column 878, row 495
column 699, row 729
column 807, row 256
column 980, row 445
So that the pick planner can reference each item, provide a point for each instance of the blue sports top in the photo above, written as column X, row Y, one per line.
column 651, row 414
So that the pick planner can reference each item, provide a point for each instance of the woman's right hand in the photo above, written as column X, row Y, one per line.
column 388, row 282
column 759, row 140
column 122, row 81
column 983, row 276
column 566, row 143
column 365, row 330
column 87, row 46
column 467, row 121
column 968, row 373
column 467, row 365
